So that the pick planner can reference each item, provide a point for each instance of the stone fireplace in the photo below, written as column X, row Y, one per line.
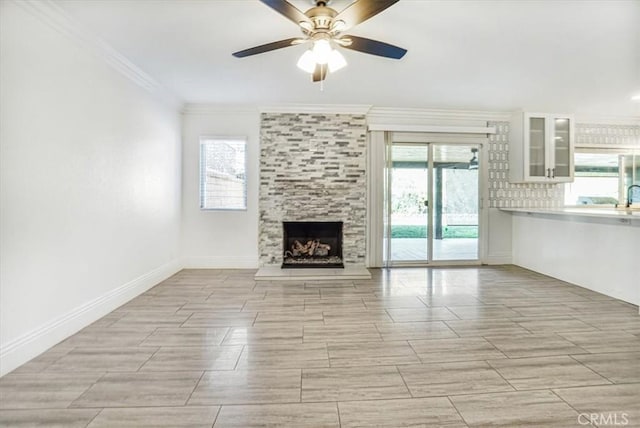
column 312, row 169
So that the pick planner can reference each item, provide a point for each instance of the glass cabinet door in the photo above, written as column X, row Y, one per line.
column 537, row 143
column 562, row 148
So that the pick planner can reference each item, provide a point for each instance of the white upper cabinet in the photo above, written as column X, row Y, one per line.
column 541, row 148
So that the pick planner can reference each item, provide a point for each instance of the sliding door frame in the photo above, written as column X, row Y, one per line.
column 378, row 228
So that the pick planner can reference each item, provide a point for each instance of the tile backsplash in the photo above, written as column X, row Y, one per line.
column 607, row 135
column 503, row 194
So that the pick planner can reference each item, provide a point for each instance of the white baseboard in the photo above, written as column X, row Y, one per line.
column 26, row 347
column 498, row 259
column 220, row 262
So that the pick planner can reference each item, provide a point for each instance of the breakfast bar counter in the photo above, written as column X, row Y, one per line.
column 628, row 216
column 595, row 248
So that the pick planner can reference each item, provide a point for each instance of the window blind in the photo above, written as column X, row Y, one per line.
column 223, row 184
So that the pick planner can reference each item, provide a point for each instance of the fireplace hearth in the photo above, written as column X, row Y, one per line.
column 312, row 244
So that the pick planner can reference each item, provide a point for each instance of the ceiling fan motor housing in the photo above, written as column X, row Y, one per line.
column 322, row 17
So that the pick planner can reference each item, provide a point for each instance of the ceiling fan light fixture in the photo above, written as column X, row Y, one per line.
column 306, row 25
column 336, row 61
column 307, row 62
column 321, row 51
column 338, row 26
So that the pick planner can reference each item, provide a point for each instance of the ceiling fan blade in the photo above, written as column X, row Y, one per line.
column 361, row 10
column 320, row 73
column 375, row 47
column 265, row 48
column 288, row 10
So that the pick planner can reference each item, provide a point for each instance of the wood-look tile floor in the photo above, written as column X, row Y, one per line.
column 431, row 347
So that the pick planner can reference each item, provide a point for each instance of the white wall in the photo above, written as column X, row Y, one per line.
column 90, row 187
column 219, row 239
column 229, row 239
column 497, row 236
column 601, row 255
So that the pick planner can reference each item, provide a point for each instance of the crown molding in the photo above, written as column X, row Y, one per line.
column 382, row 114
column 54, row 15
column 316, row 108
column 433, row 129
column 218, row 109
column 607, row 120
column 389, row 114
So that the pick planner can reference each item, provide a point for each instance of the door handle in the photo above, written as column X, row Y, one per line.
column 553, row 173
column 548, row 172
column 426, row 203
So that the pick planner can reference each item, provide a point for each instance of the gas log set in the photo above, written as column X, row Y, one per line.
column 312, row 244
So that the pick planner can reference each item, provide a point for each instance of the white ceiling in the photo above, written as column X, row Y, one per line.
column 560, row 56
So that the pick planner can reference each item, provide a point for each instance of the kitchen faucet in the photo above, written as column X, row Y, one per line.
column 629, row 200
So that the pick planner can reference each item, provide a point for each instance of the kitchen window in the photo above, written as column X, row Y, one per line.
column 223, row 181
column 602, row 177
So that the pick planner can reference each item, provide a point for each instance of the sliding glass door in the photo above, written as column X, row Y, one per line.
column 409, row 202
column 432, row 203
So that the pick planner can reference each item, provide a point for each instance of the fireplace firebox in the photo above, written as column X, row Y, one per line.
column 312, row 244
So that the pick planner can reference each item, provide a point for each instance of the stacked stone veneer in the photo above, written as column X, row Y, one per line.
column 312, row 168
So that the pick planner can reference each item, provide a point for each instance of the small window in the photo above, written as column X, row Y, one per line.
column 602, row 177
column 223, row 183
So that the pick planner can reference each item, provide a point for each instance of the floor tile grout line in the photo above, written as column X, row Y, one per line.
column 469, row 394
column 301, row 376
column 564, row 401
column 187, row 320
column 500, row 374
column 195, row 387
column 453, row 313
column 215, row 419
column 338, row 412
column 602, row 385
column 573, row 343
column 405, row 382
column 69, row 406
column 390, row 317
column 94, row 417
column 451, row 328
column 592, row 370
column 235, row 366
column 147, row 360
column 637, row 351
column 457, row 410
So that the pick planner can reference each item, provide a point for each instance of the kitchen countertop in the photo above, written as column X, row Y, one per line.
column 582, row 212
column 592, row 212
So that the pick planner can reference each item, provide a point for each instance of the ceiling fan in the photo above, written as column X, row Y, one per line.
column 323, row 27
